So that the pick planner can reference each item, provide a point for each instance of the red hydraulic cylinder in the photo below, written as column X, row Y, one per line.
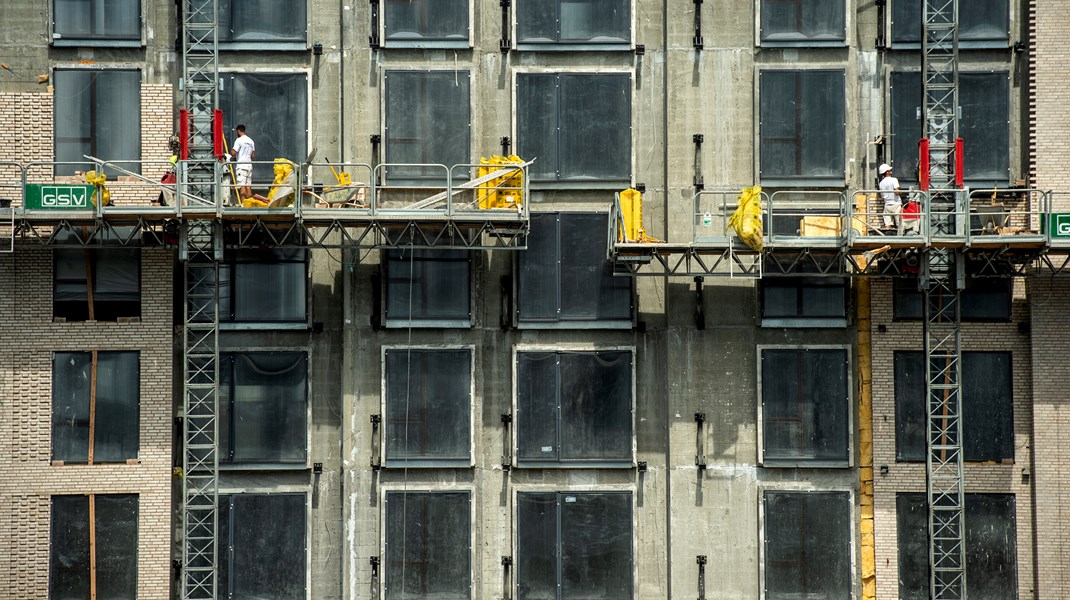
column 183, row 134
column 217, row 133
column 960, row 162
column 923, row 164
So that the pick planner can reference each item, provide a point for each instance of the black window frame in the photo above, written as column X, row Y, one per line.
column 800, row 284
column 262, row 41
column 454, row 546
column 128, row 429
column 96, row 38
column 993, row 441
column 802, row 455
column 109, row 534
column 78, row 310
column 102, row 126
column 609, row 287
column 981, row 571
column 230, row 300
column 802, row 131
column 278, row 548
column 579, row 414
column 798, row 37
column 416, row 38
column 901, row 39
column 529, row 37
column 420, row 278
column 978, row 295
column 565, row 539
column 437, row 107
column 396, row 357
column 808, row 505
column 229, row 440
column 609, row 135
column 268, row 131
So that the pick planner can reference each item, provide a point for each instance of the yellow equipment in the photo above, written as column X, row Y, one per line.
column 282, row 188
column 630, row 203
column 504, row 191
column 97, row 180
column 747, row 218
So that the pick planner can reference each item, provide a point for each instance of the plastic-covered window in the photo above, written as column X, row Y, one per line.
column 262, row 546
column 115, row 419
column 987, row 406
column 979, row 21
column 574, row 407
column 274, row 109
column 804, row 298
column 112, row 547
column 427, row 121
column 574, row 545
column 564, row 274
column 990, row 540
column 97, row 19
column 573, row 21
column 428, row 405
column 115, row 275
column 98, row 113
column 428, row 285
column 426, row 20
column 801, row 124
column 805, row 405
column 263, row 407
column 428, row 545
column 803, row 21
column 984, row 299
column 578, row 126
column 264, row 21
column 807, row 545
column 264, row 286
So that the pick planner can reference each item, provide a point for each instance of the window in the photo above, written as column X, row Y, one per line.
column 981, row 22
column 808, row 22
column 96, row 284
column 98, row 113
column 274, row 109
column 87, row 20
column 804, row 302
column 95, row 406
column 105, row 558
column 987, row 406
column 428, row 545
column 990, row 541
column 984, row 100
column 573, row 22
column 426, row 20
column 574, row 407
column 802, row 126
column 578, row 126
column 564, row 276
column 428, row 406
column 983, row 299
column 264, row 286
column 805, row 406
column 263, row 406
column 807, row 545
column 427, row 121
column 574, row 545
column 264, row 21
column 428, row 288
column 262, row 546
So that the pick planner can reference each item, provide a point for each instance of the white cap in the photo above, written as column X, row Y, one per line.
column 884, row 168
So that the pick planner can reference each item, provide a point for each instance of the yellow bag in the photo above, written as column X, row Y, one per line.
column 97, row 180
column 747, row 219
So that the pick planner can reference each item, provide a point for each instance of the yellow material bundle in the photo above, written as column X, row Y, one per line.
column 97, row 181
column 747, row 219
column 504, row 191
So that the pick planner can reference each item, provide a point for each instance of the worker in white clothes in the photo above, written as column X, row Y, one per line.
column 243, row 151
column 893, row 204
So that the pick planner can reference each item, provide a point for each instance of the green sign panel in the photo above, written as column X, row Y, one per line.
column 1059, row 225
column 52, row 196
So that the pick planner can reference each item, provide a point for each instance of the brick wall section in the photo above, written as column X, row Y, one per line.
column 1050, row 95
column 979, row 478
column 27, row 477
column 25, row 134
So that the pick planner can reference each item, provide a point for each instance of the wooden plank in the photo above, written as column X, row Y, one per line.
column 92, row 406
column 89, row 283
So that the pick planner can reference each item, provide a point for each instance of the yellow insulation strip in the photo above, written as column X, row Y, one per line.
column 747, row 219
column 865, row 439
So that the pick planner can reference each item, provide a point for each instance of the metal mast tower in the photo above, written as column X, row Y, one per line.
column 941, row 284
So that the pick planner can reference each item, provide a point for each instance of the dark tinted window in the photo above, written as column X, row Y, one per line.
column 804, row 298
column 262, row 546
column 803, row 20
column 427, row 121
column 262, row 21
column 984, row 299
column 426, row 19
column 263, row 405
column 979, row 21
column 104, row 558
column 428, row 545
column 101, row 284
column 807, row 545
column 98, row 113
column 428, row 405
column 97, row 19
column 574, row 21
column 802, row 124
column 274, row 109
column 428, row 285
column 805, row 405
column 95, row 400
column 264, row 286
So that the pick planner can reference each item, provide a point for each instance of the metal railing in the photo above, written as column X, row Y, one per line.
column 812, row 218
column 711, row 211
column 1016, row 213
column 868, row 219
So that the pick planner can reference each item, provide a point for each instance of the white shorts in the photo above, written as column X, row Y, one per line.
column 245, row 177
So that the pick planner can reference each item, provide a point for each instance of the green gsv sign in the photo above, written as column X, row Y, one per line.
column 52, row 196
column 1059, row 225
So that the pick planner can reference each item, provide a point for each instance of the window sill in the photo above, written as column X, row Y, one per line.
column 264, row 326
column 802, row 463
column 91, row 43
column 802, row 43
column 593, row 464
column 264, row 45
column 574, row 324
column 963, row 45
column 798, row 182
column 576, row 47
column 414, row 44
column 465, row 463
column 580, row 184
column 129, row 461
column 995, row 462
column 429, row 324
column 295, row 466
column 805, row 323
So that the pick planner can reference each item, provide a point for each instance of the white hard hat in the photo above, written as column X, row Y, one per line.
column 884, row 168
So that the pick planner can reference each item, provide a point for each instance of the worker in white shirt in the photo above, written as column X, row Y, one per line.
column 893, row 204
column 244, row 151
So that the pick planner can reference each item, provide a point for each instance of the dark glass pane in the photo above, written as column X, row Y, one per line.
column 98, row 19
column 537, row 406
column 807, row 545
column 427, row 121
column 428, row 404
column 428, row 285
column 262, row 549
column 984, row 299
column 596, row 405
column 589, row 290
column 264, row 286
column 911, row 428
column 428, row 545
column 262, row 21
column 274, row 109
column 987, row 406
column 536, row 572
column 805, row 404
column 72, row 374
column 590, row 21
column 803, row 20
column 596, row 545
column 68, row 574
column 984, row 100
column 595, row 127
column 539, row 275
column 118, row 407
column 912, row 528
column 979, row 21
column 263, row 406
column 537, row 122
column 802, row 298
column 802, row 124
column 116, row 545
column 906, row 124
column 97, row 113
column 426, row 19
